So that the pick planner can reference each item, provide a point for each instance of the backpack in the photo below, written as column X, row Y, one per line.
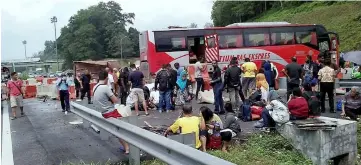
column 313, row 104
column 339, row 105
column 246, row 111
column 164, row 79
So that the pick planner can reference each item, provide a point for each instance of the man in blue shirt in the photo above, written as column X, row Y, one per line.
column 63, row 86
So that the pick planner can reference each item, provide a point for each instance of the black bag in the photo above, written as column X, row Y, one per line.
column 164, row 80
column 313, row 104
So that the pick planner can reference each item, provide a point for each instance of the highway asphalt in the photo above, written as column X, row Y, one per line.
column 45, row 135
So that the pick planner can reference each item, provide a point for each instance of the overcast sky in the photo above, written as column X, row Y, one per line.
column 30, row 19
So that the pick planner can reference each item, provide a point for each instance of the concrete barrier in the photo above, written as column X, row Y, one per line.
column 282, row 82
column 339, row 145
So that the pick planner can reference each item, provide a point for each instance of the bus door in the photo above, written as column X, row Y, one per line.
column 334, row 47
column 211, row 48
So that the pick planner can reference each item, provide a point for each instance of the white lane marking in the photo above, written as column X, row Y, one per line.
column 7, row 145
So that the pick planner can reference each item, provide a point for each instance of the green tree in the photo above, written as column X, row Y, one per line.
column 95, row 33
column 193, row 25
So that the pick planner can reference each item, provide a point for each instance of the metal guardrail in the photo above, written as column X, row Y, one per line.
column 159, row 146
column 347, row 83
column 5, row 138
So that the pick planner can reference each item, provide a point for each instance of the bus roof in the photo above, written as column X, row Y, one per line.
column 242, row 25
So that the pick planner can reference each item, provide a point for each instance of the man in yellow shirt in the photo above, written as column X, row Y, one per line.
column 188, row 124
column 249, row 78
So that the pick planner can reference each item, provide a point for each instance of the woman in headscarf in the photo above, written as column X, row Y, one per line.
column 262, row 85
column 269, row 75
column 184, row 89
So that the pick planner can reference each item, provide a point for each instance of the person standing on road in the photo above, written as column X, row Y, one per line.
column 63, row 86
column 327, row 84
column 310, row 72
column 110, row 80
column 249, row 78
column 123, row 85
column 85, row 86
column 233, row 83
column 77, row 86
column 15, row 94
column 105, row 100
column 179, row 70
column 116, row 77
column 137, row 84
column 217, row 88
column 163, row 79
column 293, row 71
column 199, row 78
column 174, row 79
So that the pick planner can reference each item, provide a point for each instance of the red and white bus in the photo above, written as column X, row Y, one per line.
column 277, row 42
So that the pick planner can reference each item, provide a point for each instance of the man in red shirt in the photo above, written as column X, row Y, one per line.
column 15, row 93
column 297, row 105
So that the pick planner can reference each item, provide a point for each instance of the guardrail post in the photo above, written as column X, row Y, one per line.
column 134, row 152
column 86, row 123
column 187, row 139
column 104, row 135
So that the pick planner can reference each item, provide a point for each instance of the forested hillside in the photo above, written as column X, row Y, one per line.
column 343, row 18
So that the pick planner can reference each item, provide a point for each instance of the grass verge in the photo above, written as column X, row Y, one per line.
column 260, row 149
column 343, row 18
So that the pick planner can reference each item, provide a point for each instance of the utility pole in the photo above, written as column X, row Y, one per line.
column 24, row 43
column 55, row 20
column 121, row 47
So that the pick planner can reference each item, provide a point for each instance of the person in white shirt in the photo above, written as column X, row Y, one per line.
column 199, row 78
column 154, row 98
column 110, row 79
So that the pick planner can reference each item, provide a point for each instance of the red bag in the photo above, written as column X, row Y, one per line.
column 214, row 142
column 110, row 114
column 256, row 110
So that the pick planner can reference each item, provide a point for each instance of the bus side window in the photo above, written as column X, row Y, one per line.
column 282, row 38
column 256, row 37
column 306, row 38
column 230, row 41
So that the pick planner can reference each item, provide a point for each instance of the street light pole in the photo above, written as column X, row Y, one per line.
column 24, row 43
column 55, row 20
column 121, row 47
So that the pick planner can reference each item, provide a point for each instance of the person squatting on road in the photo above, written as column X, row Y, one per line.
column 164, row 85
column 352, row 104
column 217, row 85
column 15, row 94
column 188, row 123
column 105, row 100
column 85, row 86
column 63, row 87
column 233, row 84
